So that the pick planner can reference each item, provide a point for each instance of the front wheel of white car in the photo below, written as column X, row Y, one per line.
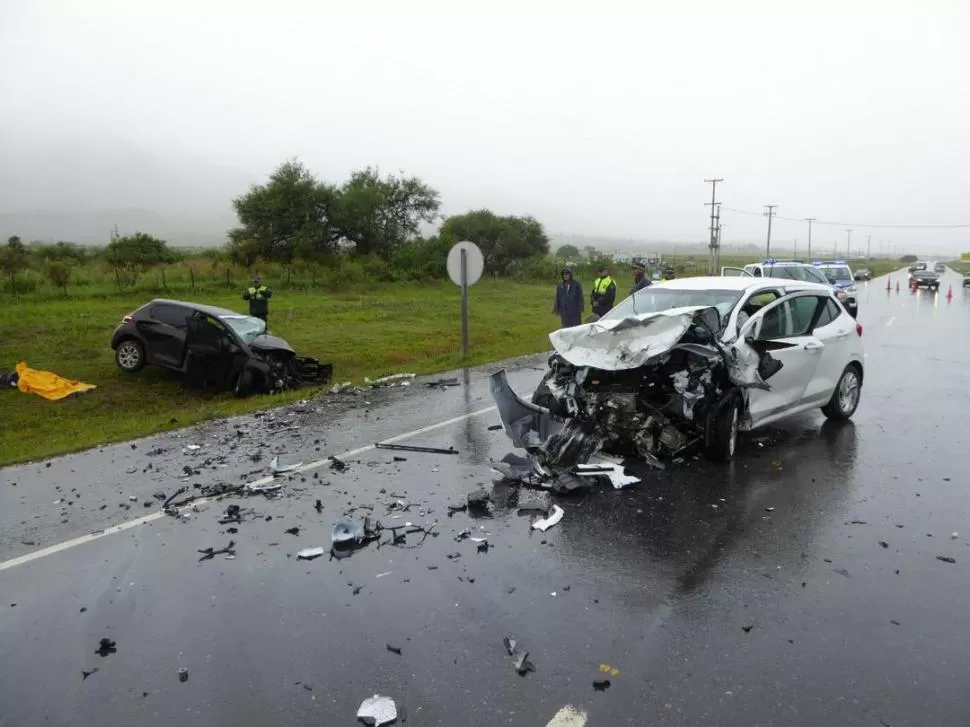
column 722, row 437
column 845, row 398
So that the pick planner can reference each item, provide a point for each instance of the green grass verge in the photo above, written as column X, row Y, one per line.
column 395, row 328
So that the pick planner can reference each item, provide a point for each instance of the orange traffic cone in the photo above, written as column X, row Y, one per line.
column 949, row 294
column 897, row 286
column 889, row 284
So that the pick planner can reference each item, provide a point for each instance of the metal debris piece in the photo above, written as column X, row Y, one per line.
column 210, row 553
column 483, row 547
column 553, row 519
column 377, row 710
column 310, row 553
column 946, row 559
column 86, row 674
column 394, row 649
column 318, row 506
column 601, row 685
column 105, row 647
column 391, row 380
column 414, row 448
column 602, row 466
column 183, row 674
column 452, row 509
column 337, row 464
column 520, row 659
column 295, row 530
column 265, row 488
column 495, row 427
column 883, row 543
column 442, row 383
column 279, row 468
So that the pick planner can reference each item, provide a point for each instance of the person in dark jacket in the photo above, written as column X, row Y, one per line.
column 604, row 292
column 640, row 279
column 258, row 296
column 569, row 300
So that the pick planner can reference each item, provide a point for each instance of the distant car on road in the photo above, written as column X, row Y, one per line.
column 211, row 345
column 939, row 268
column 838, row 274
column 925, row 279
column 862, row 274
column 966, row 280
column 919, row 265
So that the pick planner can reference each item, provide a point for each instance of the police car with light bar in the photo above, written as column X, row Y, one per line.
column 799, row 270
column 840, row 277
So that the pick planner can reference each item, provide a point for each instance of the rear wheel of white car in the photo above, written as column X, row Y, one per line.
column 845, row 398
column 130, row 356
column 722, row 440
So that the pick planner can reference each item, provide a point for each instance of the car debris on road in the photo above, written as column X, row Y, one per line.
column 552, row 520
column 377, row 710
column 520, row 659
column 210, row 553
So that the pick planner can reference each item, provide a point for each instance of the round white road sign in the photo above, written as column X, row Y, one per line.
column 474, row 263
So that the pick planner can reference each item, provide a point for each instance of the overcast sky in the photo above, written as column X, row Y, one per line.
column 600, row 118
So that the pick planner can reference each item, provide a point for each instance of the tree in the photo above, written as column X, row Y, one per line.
column 908, row 259
column 135, row 253
column 503, row 240
column 380, row 214
column 13, row 259
column 59, row 273
column 286, row 218
column 567, row 252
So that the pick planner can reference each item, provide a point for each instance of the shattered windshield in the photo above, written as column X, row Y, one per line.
column 658, row 298
column 836, row 273
column 246, row 327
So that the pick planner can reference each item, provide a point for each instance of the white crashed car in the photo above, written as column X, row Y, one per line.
column 689, row 362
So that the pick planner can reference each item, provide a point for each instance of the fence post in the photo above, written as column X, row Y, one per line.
column 118, row 278
column 164, row 284
column 228, row 278
column 192, row 276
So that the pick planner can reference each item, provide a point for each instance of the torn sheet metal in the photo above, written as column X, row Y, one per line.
column 527, row 424
column 600, row 466
column 623, row 343
column 377, row 710
column 551, row 521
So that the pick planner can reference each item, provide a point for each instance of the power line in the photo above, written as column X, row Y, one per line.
column 850, row 224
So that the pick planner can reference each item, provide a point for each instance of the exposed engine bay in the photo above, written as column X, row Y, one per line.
column 647, row 386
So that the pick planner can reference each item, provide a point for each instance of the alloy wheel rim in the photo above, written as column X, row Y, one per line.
column 848, row 392
column 128, row 356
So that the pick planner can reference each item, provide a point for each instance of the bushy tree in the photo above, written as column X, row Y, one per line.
column 503, row 240
column 59, row 273
column 13, row 259
column 567, row 252
column 135, row 253
column 290, row 216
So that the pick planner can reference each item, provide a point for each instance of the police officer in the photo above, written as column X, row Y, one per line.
column 569, row 300
column 604, row 292
column 258, row 296
column 640, row 279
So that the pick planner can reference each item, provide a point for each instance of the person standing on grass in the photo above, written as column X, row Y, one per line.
column 640, row 279
column 604, row 292
column 569, row 300
column 258, row 296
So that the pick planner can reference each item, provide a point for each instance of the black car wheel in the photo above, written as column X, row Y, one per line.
column 130, row 355
column 722, row 439
column 845, row 398
column 243, row 384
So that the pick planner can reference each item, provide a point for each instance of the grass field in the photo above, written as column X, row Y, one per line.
column 398, row 328
column 388, row 328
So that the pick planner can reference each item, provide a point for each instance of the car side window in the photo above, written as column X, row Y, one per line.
column 791, row 318
column 757, row 272
column 171, row 315
column 829, row 314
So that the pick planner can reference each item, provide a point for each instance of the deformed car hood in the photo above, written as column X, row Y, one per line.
column 623, row 343
column 266, row 342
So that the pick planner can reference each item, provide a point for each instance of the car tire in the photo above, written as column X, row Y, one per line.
column 242, row 384
column 845, row 398
column 130, row 355
column 722, row 439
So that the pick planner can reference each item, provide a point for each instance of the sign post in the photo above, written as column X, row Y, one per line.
column 465, row 267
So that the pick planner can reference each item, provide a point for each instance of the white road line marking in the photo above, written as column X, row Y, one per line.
column 568, row 716
column 111, row 530
column 890, row 321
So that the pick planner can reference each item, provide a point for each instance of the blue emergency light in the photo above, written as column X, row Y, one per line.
column 771, row 261
column 816, row 263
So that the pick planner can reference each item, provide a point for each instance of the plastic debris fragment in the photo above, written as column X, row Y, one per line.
column 377, row 710
column 553, row 519
column 280, row 468
column 346, row 530
column 310, row 553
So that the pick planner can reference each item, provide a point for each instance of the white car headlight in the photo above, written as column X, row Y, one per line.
column 840, row 294
column 851, row 289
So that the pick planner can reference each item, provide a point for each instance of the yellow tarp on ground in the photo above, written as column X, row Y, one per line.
column 48, row 385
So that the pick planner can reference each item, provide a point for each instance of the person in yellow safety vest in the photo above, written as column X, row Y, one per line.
column 258, row 296
column 604, row 292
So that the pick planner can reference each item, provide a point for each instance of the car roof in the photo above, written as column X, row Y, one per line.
column 201, row 307
column 715, row 282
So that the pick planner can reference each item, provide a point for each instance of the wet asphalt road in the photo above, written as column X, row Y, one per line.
column 754, row 594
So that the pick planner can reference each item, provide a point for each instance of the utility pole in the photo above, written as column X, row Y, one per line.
column 810, row 220
column 769, row 214
column 868, row 247
column 848, row 243
column 720, row 229
column 712, row 253
column 794, row 249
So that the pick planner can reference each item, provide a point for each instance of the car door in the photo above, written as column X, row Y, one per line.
column 164, row 331
column 728, row 272
column 834, row 328
column 782, row 330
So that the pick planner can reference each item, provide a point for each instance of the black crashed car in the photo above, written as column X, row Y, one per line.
column 212, row 347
